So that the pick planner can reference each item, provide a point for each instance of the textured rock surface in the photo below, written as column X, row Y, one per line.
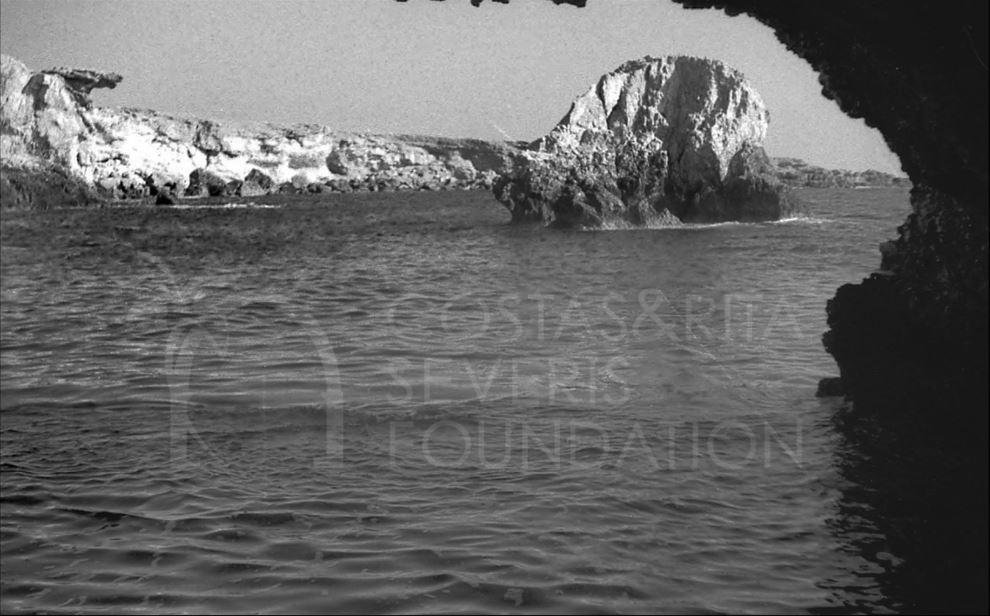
column 83, row 81
column 656, row 138
column 49, row 121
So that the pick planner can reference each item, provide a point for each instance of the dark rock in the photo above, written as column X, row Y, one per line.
column 123, row 188
column 157, row 184
column 43, row 189
column 830, row 387
column 204, row 183
column 165, row 197
column 256, row 184
column 263, row 180
column 339, row 185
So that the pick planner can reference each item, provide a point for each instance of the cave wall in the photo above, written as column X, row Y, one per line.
column 913, row 335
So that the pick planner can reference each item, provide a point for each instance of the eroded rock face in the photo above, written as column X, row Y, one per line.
column 676, row 137
column 82, row 81
column 48, row 121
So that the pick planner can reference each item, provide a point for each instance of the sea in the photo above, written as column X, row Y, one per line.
column 402, row 403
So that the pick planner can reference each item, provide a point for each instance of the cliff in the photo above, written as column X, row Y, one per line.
column 48, row 121
column 671, row 139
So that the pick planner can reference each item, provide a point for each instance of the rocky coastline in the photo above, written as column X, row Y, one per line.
column 50, row 125
column 796, row 173
column 57, row 147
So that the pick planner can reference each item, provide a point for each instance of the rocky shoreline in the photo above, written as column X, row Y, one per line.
column 49, row 122
column 798, row 174
column 56, row 146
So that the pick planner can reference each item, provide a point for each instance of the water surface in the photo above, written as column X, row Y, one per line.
column 402, row 403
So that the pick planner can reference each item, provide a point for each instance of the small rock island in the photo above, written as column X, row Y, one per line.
column 657, row 141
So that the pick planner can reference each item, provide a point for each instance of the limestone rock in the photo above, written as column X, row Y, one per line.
column 83, row 81
column 48, row 120
column 656, row 137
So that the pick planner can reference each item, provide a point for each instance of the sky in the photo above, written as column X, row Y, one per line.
column 441, row 68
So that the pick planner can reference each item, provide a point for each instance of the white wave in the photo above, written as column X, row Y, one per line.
column 801, row 219
column 621, row 225
column 224, row 206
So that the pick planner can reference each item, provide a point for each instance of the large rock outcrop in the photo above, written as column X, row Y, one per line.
column 656, row 140
column 48, row 121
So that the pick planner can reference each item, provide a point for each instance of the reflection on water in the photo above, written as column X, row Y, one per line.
column 400, row 403
column 921, row 483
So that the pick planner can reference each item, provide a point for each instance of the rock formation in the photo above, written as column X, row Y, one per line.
column 656, row 139
column 49, row 121
column 82, row 81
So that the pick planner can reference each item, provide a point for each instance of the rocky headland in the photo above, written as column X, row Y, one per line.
column 50, row 126
column 658, row 140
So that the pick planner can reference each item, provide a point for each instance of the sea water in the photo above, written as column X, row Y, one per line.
column 403, row 403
